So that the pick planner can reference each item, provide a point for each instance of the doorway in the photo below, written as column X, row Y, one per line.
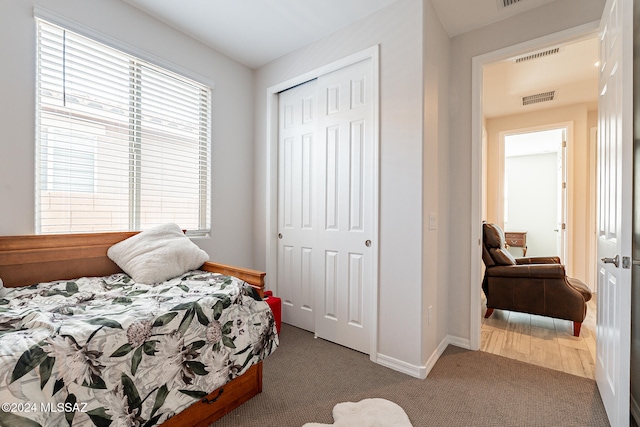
column 573, row 210
column 615, row 35
column 533, row 195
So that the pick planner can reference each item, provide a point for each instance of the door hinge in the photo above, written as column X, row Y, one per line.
column 564, row 185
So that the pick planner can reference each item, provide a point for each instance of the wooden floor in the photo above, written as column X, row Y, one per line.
column 542, row 341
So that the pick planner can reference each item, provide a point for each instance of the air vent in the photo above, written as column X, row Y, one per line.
column 539, row 97
column 506, row 3
column 537, row 55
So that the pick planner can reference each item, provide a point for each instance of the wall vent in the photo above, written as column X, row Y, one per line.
column 506, row 3
column 537, row 55
column 539, row 97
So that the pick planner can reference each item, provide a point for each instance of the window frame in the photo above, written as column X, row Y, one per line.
column 144, row 60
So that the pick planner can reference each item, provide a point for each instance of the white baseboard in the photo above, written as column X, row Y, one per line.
column 421, row 372
column 436, row 355
column 400, row 366
column 635, row 409
column 459, row 342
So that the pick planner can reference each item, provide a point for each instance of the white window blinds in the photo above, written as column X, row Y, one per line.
column 121, row 144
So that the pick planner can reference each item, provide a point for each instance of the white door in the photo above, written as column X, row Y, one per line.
column 297, row 204
column 326, row 188
column 345, row 116
column 615, row 143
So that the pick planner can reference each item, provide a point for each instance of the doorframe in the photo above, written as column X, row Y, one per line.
column 478, row 62
column 271, row 188
column 592, row 264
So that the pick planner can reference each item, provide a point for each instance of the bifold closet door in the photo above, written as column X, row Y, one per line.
column 326, row 204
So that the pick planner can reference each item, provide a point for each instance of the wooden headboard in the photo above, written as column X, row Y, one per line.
column 25, row 260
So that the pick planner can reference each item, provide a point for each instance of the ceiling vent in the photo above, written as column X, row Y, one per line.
column 507, row 3
column 539, row 97
column 537, row 55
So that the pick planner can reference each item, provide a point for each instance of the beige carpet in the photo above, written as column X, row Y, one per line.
column 306, row 377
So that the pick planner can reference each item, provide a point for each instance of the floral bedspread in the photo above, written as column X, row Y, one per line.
column 106, row 351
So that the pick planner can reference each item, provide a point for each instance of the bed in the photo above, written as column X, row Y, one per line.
column 69, row 262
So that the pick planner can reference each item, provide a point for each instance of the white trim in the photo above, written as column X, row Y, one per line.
column 271, row 184
column 592, row 265
column 54, row 18
column 422, row 372
column 370, row 53
column 403, row 367
column 476, row 203
column 459, row 342
column 478, row 62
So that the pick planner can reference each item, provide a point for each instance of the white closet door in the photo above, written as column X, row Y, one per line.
column 325, row 205
column 345, row 206
column 297, row 207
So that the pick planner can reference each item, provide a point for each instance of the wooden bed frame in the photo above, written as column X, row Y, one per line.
column 25, row 260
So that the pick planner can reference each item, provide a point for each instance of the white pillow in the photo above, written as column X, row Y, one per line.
column 157, row 254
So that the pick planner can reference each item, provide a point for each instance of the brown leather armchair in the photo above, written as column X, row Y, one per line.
column 530, row 285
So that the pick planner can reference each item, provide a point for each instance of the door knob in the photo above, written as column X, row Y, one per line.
column 367, row 243
column 615, row 261
column 279, row 235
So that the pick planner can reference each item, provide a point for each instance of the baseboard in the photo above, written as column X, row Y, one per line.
column 459, row 342
column 635, row 409
column 436, row 355
column 400, row 366
column 421, row 372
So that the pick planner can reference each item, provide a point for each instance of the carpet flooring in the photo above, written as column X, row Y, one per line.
column 306, row 377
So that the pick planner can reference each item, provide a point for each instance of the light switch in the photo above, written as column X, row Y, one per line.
column 433, row 221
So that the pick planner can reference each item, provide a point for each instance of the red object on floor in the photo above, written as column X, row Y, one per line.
column 276, row 306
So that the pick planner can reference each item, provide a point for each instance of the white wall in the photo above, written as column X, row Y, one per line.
column 232, row 111
column 436, row 190
column 548, row 19
column 403, row 291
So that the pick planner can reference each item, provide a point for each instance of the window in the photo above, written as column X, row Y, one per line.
column 121, row 144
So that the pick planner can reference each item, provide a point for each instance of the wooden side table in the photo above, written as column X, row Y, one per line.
column 517, row 239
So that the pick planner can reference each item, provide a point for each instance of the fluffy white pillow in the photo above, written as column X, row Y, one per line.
column 157, row 254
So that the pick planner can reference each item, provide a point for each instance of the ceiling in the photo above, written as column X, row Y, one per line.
column 255, row 32
column 478, row 13
column 571, row 73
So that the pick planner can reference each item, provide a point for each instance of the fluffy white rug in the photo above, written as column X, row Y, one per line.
column 367, row 413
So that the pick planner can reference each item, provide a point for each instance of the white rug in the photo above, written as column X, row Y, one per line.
column 367, row 413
